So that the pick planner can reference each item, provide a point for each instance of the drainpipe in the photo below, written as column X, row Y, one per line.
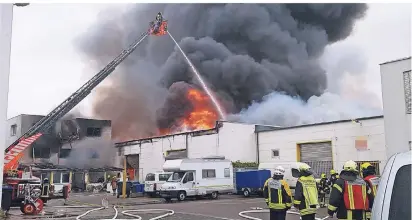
column 257, row 148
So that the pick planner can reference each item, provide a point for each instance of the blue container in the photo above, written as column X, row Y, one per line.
column 253, row 179
column 120, row 188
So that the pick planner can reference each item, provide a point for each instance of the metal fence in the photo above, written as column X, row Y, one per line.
column 319, row 167
column 374, row 163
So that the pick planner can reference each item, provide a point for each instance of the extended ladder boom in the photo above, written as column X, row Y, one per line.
column 68, row 104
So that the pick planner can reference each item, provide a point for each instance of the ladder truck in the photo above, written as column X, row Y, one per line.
column 28, row 191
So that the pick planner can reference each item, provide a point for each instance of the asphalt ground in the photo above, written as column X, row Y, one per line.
column 227, row 207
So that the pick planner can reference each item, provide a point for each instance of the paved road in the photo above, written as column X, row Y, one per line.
column 226, row 208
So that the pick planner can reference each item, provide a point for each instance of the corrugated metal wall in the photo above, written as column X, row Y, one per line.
column 318, row 156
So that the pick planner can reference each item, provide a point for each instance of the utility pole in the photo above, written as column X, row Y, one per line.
column 6, row 23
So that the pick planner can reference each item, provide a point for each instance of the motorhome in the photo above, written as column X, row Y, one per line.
column 209, row 176
column 154, row 181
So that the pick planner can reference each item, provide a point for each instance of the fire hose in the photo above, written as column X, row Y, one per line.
column 127, row 213
column 261, row 210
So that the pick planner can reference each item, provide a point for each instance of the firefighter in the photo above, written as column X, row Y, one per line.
column 306, row 192
column 277, row 195
column 351, row 196
column 323, row 189
column 369, row 175
column 333, row 177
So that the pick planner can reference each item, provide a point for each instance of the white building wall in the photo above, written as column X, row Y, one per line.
column 234, row 141
column 397, row 121
column 341, row 134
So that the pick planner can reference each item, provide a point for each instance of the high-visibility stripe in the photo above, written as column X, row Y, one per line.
column 332, row 208
column 337, row 187
column 349, row 215
column 364, row 195
column 351, row 201
column 280, row 196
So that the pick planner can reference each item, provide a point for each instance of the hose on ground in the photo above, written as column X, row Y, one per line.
column 243, row 214
column 127, row 213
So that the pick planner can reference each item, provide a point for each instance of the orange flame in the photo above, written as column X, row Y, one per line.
column 203, row 115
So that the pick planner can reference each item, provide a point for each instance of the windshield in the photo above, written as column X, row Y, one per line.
column 150, row 177
column 176, row 177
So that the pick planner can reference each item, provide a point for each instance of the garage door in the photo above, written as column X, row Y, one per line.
column 318, row 156
column 133, row 162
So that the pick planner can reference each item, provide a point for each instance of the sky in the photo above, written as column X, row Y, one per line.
column 46, row 68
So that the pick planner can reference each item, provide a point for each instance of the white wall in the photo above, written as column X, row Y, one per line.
column 342, row 135
column 234, row 141
column 397, row 122
column 13, row 121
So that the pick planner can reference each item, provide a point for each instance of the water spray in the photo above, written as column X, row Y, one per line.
column 202, row 82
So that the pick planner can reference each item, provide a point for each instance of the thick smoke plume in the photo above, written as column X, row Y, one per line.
column 250, row 55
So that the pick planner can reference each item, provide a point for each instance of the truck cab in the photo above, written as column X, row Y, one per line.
column 393, row 199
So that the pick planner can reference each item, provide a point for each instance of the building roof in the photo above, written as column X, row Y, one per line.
column 321, row 123
column 219, row 124
column 393, row 61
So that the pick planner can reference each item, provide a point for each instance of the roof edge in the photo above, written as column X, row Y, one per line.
column 397, row 60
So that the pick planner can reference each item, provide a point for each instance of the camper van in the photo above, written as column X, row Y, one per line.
column 209, row 176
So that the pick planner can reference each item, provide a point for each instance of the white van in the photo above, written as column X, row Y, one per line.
column 208, row 176
column 154, row 181
column 393, row 199
column 288, row 171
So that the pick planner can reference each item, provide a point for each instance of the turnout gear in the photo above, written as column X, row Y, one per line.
column 306, row 192
column 323, row 189
column 333, row 177
column 369, row 175
column 277, row 195
column 351, row 196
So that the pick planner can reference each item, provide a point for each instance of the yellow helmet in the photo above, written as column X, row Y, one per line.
column 303, row 166
column 351, row 166
column 365, row 166
column 332, row 172
column 323, row 175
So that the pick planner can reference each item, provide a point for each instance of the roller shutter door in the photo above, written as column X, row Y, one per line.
column 318, row 156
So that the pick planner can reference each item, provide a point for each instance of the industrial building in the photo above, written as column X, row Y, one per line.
column 324, row 146
column 62, row 139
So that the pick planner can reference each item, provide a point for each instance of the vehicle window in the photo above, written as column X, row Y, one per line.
column 150, row 177
column 176, row 177
column 164, row 177
column 190, row 177
column 227, row 172
column 208, row 173
column 400, row 206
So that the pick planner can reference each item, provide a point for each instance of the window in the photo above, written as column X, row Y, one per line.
column 275, row 153
column 400, row 206
column 40, row 152
column 66, row 178
column 64, row 153
column 56, row 177
column 189, row 177
column 13, row 130
column 150, row 177
column 227, row 172
column 93, row 132
column 164, row 177
column 407, row 90
column 208, row 174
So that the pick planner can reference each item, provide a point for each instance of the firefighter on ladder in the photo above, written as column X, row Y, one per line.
column 306, row 192
column 351, row 196
column 277, row 195
column 369, row 175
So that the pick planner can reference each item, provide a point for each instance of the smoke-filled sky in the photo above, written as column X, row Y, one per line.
column 257, row 58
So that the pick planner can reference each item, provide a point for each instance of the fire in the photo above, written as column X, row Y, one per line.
column 203, row 115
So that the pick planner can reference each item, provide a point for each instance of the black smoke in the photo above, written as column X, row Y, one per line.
column 244, row 52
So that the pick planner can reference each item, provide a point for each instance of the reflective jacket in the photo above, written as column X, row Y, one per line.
column 306, row 195
column 324, row 186
column 373, row 182
column 350, row 199
column 333, row 178
column 276, row 194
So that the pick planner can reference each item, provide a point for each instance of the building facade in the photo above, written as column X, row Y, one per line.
column 87, row 138
column 324, row 146
column 396, row 97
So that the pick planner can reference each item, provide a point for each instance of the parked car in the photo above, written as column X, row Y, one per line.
column 393, row 199
column 154, row 181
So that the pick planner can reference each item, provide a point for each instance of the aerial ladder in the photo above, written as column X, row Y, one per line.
column 14, row 152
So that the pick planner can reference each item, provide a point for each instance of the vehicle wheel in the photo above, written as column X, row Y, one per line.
column 246, row 193
column 214, row 195
column 181, row 196
column 28, row 209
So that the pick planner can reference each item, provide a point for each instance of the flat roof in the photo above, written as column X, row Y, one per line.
column 394, row 61
column 322, row 123
column 258, row 129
